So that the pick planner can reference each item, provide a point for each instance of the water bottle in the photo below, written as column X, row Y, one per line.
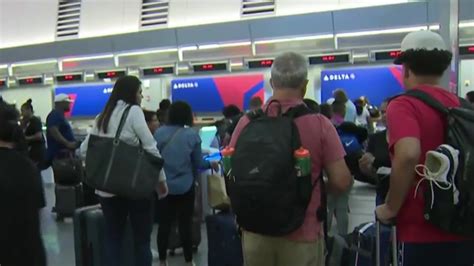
column 303, row 162
column 227, row 153
column 303, row 173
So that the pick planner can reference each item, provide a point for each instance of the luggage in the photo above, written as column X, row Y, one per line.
column 116, row 167
column 89, row 238
column 264, row 163
column 370, row 244
column 68, row 198
column 68, row 170
column 224, row 242
column 174, row 239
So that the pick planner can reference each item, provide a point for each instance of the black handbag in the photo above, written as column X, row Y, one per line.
column 116, row 167
column 67, row 170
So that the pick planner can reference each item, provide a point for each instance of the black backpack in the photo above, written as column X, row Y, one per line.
column 266, row 194
column 459, row 218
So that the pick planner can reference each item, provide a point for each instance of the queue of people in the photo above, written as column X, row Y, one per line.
column 329, row 135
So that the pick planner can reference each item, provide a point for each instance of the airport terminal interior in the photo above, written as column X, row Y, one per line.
column 209, row 54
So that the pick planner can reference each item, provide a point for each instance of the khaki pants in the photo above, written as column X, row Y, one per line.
column 262, row 250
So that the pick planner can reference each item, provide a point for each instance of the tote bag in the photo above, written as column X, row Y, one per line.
column 116, row 167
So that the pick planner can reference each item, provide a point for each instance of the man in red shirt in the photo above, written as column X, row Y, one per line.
column 305, row 246
column 414, row 129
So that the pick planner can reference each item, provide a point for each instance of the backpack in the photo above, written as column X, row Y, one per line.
column 266, row 195
column 454, row 218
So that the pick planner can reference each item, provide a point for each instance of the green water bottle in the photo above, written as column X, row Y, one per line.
column 227, row 153
column 303, row 162
column 303, row 173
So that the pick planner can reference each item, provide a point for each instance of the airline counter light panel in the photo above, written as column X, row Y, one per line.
column 158, row 71
column 329, row 59
column 210, row 67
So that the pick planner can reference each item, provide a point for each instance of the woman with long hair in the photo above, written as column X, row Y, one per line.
column 21, row 197
column 33, row 129
column 127, row 92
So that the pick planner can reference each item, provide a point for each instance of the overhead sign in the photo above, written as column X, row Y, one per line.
column 376, row 83
column 329, row 59
column 88, row 100
column 211, row 94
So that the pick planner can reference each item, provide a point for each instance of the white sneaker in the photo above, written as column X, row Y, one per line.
column 440, row 169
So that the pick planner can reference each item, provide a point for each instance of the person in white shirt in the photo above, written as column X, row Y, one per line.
column 363, row 115
column 127, row 91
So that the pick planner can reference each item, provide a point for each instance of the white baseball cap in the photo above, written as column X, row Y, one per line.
column 421, row 40
column 62, row 97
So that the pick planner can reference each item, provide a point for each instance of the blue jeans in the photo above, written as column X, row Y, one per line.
column 437, row 254
column 116, row 211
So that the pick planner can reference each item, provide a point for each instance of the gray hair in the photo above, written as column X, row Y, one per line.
column 289, row 70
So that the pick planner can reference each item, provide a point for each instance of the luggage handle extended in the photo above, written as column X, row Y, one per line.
column 394, row 244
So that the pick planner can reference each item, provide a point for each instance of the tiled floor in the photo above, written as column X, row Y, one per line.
column 59, row 239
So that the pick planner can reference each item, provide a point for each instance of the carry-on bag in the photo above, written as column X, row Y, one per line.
column 67, row 169
column 68, row 198
column 224, row 242
column 119, row 168
column 217, row 193
column 89, row 238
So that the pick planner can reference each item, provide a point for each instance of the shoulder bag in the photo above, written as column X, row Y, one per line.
column 116, row 167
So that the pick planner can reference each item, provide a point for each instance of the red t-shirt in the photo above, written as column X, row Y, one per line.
column 319, row 136
column 409, row 117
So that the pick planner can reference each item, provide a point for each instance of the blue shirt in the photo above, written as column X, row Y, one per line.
column 57, row 119
column 183, row 157
column 351, row 112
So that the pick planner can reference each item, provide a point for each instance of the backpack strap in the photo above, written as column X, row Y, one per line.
column 255, row 114
column 298, row 111
column 428, row 100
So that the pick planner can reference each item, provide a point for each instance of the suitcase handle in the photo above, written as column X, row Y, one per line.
column 394, row 245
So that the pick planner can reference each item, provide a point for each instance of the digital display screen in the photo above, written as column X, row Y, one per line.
column 158, row 71
column 387, row 55
column 260, row 63
column 111, row 74
column 69, row 77
column 329, row 59
column 210, row 67
column 466, row 50
column 2, row 82
column 30, row 81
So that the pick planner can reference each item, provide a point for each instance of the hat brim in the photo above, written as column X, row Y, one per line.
column 64, row 101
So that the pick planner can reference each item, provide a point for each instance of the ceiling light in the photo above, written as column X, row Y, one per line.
column 32, row 63
column 360, row 56
column 209, row 46
column 3, row 66
column 189, row 48
column 303, row 38
column 236, row 64
column 89, row 75
column 377, row 32
column 434, row 27
column 75, row 59
column 466, row 24
column 148, row 52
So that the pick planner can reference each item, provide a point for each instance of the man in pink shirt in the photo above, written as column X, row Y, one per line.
column 305, row 246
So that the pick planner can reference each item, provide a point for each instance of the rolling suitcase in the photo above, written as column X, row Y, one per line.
column 89, row 238
column 68, row 198
column 174, row 241
column 371, row 244
column 224, row 242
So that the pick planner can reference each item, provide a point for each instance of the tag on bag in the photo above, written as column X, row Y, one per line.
column 217, row 194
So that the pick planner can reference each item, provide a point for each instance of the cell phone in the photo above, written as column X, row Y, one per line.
column 384, row 171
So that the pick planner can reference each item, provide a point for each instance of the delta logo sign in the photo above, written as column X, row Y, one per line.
column 212, row 94
column 87, row 100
